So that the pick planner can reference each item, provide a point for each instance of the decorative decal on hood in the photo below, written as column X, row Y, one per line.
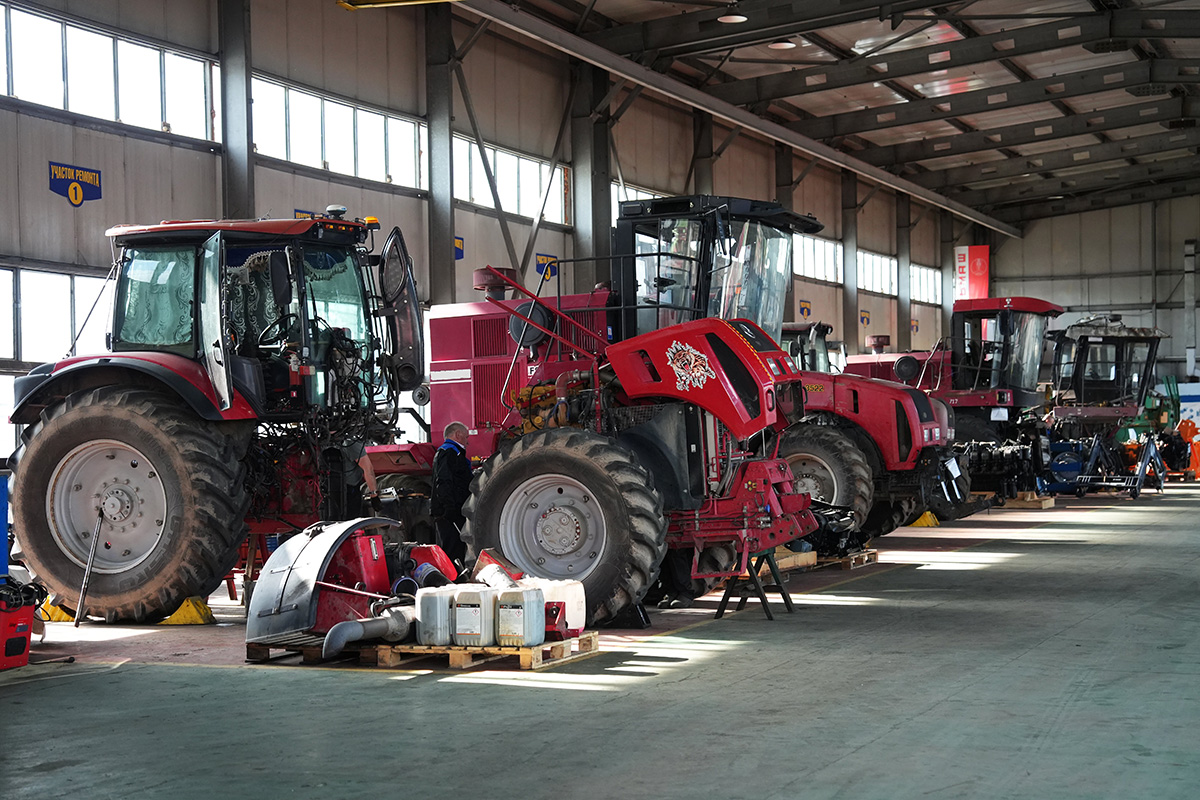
column 690, row 365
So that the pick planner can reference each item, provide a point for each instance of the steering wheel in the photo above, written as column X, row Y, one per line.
column 276, row 332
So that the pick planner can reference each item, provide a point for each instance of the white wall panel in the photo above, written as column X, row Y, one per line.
column 929, row 326
column 745, row 169
column 518, row 93
column 374, row 55
column 826, row 300
column 654, row 144
column 883, row 321
column 819, row 194
column 190, row 23
column 141, row 182
column 877, row 222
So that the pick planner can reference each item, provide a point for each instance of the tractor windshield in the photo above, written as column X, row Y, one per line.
column 751, row 270
column 667, row 270
column 155, row 289
column 335, row 290
column 1001, row 350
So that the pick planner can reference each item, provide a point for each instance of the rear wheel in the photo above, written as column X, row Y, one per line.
column 714, row 558
column 169, row 489
column 828, row 465
column 568, row 504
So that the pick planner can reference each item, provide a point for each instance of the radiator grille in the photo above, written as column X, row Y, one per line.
column 487, row 382
column 489, row 337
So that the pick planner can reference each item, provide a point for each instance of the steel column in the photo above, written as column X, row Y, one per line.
column 439, row 113
column 702, row 153
column 592, row 173
column 946, row 229
column 237, row 136
column 903, row 261
column 850, row 263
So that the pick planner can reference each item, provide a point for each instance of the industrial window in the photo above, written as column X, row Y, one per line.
column 925, row 284
column 877, row 272
column 817, row 258
column 107, row 76
column 521, row 181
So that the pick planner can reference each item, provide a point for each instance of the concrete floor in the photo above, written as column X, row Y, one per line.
column 1021, row 654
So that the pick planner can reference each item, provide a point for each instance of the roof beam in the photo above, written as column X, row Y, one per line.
column 1079, row 205
column 1115, row 177
column 699, row 32
column 1081, row 30
column 547, row 33
column 1061, row 159
column 1164, row 110
column 1143, row 79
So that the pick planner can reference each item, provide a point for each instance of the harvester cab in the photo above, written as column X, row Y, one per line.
column 1103, row 371
column 250, row 363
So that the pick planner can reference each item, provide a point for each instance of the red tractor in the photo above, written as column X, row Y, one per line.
column 250, row 363
column 668, row 375
column 874, row 421
column 987, row 370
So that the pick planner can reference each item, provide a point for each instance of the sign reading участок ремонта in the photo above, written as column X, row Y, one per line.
column 77, row 184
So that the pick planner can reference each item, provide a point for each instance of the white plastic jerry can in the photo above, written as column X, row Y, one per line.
column 434, row 615
column 521, row 617
column 475, row 615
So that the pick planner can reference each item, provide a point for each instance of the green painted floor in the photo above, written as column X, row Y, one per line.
column 1049, row 654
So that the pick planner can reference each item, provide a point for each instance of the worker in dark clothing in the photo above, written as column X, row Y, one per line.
column 451, row 487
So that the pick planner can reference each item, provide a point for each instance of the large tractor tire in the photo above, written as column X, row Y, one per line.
column 947, row 510
column 828, row 465
column 714, row 558
column 170, row 487
column 888, row 515
column 568, row 504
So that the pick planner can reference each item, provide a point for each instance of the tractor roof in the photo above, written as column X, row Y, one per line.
column 1030, row 304
column 199, row 229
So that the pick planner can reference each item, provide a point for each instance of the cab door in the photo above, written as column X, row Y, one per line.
column 214, row 349
column 402, row 313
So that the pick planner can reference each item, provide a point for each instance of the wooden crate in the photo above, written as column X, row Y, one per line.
column 547, row 654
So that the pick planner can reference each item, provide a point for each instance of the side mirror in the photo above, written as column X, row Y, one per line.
column 281, row 278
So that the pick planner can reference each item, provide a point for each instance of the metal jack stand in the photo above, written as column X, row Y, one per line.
column 87, row 571
column 760, row 589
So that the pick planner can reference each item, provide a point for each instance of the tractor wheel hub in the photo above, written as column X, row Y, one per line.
column 559, row 530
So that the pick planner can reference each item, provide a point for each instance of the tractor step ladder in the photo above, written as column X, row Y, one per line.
column 751, row 580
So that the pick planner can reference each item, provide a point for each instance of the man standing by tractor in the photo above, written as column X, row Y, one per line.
column 451, row 487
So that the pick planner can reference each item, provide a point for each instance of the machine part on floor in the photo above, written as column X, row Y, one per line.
column 395, row 624
column 328, row 573
column 234, row 399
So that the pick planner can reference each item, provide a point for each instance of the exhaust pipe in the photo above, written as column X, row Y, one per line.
column 394, row 626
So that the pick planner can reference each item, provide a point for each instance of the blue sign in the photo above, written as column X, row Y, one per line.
column 300, row 213
column 806, row 308
column 864, row 316
column 915, row 326
column 77, row 184
column 547, row 265
column 459, row 248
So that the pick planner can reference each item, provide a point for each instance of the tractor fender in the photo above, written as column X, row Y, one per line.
column 183, row 377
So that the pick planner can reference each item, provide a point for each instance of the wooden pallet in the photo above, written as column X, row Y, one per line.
column 1184, row 476
column 548, row 654
column 852, row 561
column 1029, row 500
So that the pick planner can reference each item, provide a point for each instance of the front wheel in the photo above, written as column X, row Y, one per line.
column 569, row 504
column 828, row 465
column 168, row 488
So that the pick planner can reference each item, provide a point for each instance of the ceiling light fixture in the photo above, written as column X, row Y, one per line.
column 732, row 16
column 781, row 44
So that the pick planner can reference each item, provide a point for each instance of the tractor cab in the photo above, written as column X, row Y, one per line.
column 808, row 344
column 285, row 314
column 686, row 258
column 996, row 344
column 1100, row 361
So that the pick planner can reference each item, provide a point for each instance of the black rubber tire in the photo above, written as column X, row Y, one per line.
column 847, row 466
column 887, row 515
column 714, row 558
column 412, row 493
column 203, row 479
column 634, row 525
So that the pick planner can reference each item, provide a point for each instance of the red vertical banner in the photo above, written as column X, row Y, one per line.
column 971, row 268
